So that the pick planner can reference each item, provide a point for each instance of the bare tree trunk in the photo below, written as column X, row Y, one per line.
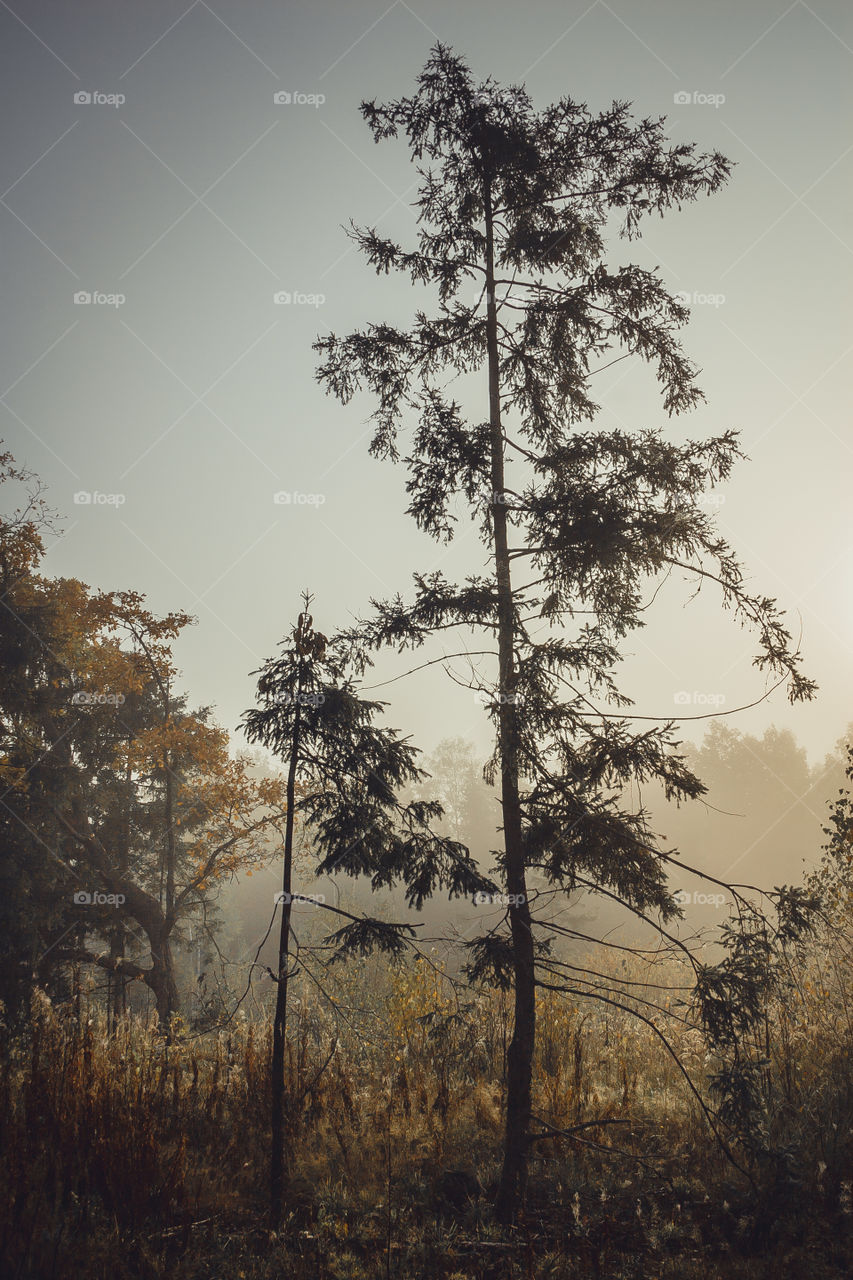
column 161, row 979
column 115, row 982
column 162, row 972
column 520, row 1053
column 277, row 1160
column 148, row 912
column 169, row 850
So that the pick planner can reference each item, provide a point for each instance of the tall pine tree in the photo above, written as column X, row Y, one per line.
column 513, row 209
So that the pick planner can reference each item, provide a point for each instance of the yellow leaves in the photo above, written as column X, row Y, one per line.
column 416, row 993
column 13, row 777
column 190, row 745
column 223, row 812
column 123, row 611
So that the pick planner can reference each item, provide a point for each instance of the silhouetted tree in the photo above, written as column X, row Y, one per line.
column 344, row 777
column 512, row 209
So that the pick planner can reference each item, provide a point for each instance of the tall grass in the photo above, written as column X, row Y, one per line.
column 128, row 1157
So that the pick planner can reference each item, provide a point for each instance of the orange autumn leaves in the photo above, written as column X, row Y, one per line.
column 105, row 654
column 225, row 816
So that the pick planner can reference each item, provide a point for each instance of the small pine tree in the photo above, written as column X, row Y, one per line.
column 344, row 776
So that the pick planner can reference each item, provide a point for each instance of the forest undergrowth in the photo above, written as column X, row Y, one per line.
column 126, row 1156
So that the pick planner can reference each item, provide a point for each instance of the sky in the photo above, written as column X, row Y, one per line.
column 175, row 182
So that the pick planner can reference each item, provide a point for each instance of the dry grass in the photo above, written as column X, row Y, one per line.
column 128, row 1158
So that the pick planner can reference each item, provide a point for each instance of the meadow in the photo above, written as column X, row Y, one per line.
column 127, row 1156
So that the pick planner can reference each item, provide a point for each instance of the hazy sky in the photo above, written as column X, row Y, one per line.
column 197, row 198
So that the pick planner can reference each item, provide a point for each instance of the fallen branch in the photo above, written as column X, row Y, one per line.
column 576, row 1128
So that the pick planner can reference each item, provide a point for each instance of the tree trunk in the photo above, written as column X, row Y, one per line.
column 162, row 972
column 148, row 912
column 118, row 981
column 170, row 844
column 161, row 979
column 115, row 981
column 520, row 1053
column 277, row 1160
